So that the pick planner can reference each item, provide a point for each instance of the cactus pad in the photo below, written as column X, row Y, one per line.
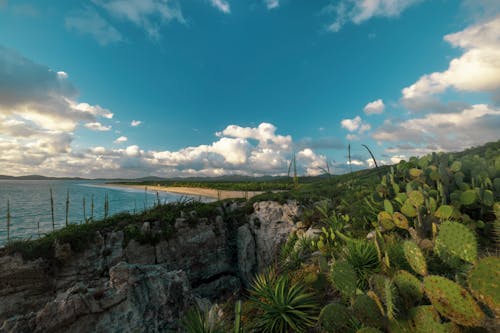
column 335, row 318
column 415, row 257
column 468, row 197
column 484, row 282
column 410, row 288
column 425, row 319
column 367, row 311
column 368, row 330
column 452, row 301
column 344, row 279
column 400, row 221
column 456, row 241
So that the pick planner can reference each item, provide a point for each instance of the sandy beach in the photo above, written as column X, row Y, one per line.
column 195, row 191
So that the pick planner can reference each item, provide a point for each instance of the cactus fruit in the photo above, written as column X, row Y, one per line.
column 455, row 241
column 415, row 257
column 484, row 280
column 452, row 301
column 410, row 288
column 335, row 318
column 424, row 319
column 367, row 311
column 344, row 278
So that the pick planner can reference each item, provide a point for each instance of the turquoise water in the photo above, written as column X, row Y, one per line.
column 30, row 204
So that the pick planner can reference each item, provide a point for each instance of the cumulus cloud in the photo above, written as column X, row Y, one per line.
column 272, row 4
column 443, row 131
column 221, row 5
column 89, row 22
column 135, row 123
column 39, row 110
column 375, row 107
column 359, row 11
column 355, row 124
column 121, row 139
column 476, row 70
column 149, row 15
column 97, row 126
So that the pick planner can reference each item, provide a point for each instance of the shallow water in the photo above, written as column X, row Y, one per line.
column 30, row 207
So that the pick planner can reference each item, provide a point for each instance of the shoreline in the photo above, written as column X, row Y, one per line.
column 194, row 191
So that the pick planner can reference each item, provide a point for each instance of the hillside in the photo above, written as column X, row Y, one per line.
column 411, row 247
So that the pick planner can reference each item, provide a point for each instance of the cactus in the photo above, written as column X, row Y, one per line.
column 344, row 278
column 368, row 330
column 415, row 257
column 452, row 301
column 424, row 319
column 410, row 288
column 335, row 318
column 455, row 241
column 468, row 197
column 400, row 221
column 400, row 326
column 484, row 280
column 367, row 311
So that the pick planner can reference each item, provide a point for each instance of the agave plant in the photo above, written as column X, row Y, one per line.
column 202, row 321
column 362, row 255
column 283, row 306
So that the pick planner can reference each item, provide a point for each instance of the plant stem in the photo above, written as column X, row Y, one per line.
column 52, row 209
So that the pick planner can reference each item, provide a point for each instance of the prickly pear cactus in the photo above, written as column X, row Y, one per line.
column 344, row 279
column 335, row 318
column 367, row 311
column 484, row 282
column 456, row 242
column 424, row 319
column 409, row 286
column 400, row 326
column 452, row 301
column 415, row 257
column 368, row 330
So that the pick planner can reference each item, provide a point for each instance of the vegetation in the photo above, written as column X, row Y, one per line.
column 406, row 248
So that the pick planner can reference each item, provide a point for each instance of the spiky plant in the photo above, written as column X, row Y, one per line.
column 202, row 321
column 282, row 306
column 363, row 257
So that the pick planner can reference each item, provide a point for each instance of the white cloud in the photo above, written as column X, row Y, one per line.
column 443, row 131
column 351, row 124
column 135, row 123
column 149, row 15
column 39, row 110
column 121, row 139
column 89, row 22
column 477, row 69
column 375, row 107
column 359, row 11
column 97, row 126
column 221, row 5
column 272, row 4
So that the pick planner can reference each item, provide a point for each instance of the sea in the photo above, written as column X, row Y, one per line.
column 29, row 204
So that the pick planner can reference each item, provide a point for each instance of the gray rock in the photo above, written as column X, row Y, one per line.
column 138, row 298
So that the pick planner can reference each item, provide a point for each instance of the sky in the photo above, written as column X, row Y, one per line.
column 179, row 88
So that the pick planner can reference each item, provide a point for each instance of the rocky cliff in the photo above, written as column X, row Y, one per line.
column 125, row 286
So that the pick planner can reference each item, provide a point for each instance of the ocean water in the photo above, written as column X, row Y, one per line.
column 30, row 207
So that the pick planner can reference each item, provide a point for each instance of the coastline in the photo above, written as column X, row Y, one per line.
column 194, row 191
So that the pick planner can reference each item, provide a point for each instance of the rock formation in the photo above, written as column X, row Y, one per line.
column 116, row 287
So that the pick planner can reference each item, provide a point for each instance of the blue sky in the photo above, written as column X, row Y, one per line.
column 129, row 88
